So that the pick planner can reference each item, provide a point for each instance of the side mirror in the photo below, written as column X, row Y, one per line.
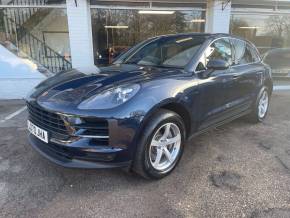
column 217, row 64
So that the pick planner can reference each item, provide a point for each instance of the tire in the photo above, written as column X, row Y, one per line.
column 256, row 115
column 148, row 152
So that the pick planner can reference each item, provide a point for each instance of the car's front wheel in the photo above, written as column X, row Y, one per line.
column 161, row 145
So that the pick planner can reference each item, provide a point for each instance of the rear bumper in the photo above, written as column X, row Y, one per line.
column 78, row 157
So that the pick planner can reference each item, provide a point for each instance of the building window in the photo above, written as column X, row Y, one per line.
column 265, row 31
column 268, row 27
column 115, row 30
column 39, row 34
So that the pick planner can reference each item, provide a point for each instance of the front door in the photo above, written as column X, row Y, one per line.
column 214, row 89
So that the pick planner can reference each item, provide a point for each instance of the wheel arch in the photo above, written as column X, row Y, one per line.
column 175, row 107
column 182, row 112
column 269, row 84
column 146, row 126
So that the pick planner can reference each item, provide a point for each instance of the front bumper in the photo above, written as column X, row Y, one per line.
column 85, row 139
column 79, row 157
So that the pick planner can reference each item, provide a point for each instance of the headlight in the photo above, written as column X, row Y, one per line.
column 110, row 98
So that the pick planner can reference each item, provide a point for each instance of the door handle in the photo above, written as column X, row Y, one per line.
column 236, row 76
column 259, row 74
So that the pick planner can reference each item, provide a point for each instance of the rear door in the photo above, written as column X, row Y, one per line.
column 247, row 75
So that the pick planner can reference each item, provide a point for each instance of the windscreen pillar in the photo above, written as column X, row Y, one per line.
column 80, row 35
column 218, row 14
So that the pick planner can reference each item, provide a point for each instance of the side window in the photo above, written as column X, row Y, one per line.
column 244, row 54
column 219, row 49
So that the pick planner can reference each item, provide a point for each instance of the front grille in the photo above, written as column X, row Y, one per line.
column 48, row 121
column 97, row 128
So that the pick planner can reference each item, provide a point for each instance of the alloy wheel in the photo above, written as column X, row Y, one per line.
column 263, row 104
column 165, row 147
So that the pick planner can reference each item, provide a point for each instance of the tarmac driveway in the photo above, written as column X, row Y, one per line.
column 238, row 170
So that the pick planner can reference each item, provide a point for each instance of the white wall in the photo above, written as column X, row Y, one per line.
column 17, row 76
column 80, row 34
column 218, row 14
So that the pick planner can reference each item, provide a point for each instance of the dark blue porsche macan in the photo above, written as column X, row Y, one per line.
column 138, row 112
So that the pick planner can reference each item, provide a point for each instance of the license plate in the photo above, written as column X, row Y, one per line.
column 37, row 132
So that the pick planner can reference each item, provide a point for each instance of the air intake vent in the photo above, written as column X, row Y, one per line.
column 94, row 128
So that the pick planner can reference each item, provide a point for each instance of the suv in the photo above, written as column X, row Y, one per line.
column 138, row 112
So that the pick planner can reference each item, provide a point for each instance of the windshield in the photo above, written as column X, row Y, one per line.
column 166, row 51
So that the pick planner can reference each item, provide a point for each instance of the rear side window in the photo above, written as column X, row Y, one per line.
column 243, row 52
column 219, row 49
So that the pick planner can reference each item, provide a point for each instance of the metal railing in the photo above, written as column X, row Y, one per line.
column 28, row 44
column 21, row 16
column 29, row 2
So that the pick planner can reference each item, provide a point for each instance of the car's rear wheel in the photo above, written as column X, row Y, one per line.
column 260, row 109
column 161, row 145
